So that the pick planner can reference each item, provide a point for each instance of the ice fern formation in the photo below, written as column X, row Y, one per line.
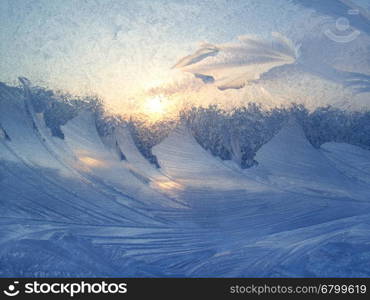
column 244, row 192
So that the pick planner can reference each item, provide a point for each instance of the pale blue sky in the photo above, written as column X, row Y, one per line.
column 90, row 40
column 119, row 48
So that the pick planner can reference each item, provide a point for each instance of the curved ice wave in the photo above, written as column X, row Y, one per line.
column 92, row 205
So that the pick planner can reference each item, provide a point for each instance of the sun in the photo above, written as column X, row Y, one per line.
column 155, row 105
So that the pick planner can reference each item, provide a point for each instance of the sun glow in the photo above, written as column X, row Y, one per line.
column 156, row 106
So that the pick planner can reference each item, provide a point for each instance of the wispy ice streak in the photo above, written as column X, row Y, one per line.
column 233, row 65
